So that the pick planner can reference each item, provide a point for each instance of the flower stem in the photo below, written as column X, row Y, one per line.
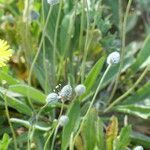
column 123, row 34
column 55, row 37
column 92, row 102
column 32, row 128
column 38, row 52
column 128, row 92
column 54, row 137
column 46, row 143
column 8, row 118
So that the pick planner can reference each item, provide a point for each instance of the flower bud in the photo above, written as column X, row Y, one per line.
column 63, row 120
column 138, row 148
column 34, row 15
column 52, row 98
column 80, row 89
column 113, row 58
column 66, row 92
column 52, row 2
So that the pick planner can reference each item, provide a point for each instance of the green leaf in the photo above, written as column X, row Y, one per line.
column 4, row 142
column 139, row 96
column 115, row 9
column 89, row 130
column 27, row 124
column 92, row 75
column 67, row 31
column 17, row 104
column 131, row 21
column 140, row 139
column 143, row 55
column 8, row 78
column 137, row 110
column 124, row 138
column 72, row 125
column 29, row 92
column 100, row 135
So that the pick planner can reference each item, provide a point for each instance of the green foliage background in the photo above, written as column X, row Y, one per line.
column 68, row 43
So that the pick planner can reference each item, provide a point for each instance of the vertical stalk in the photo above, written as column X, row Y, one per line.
column 10, row 125
column 34, row 61
column 128, row 92
column 92, row 102
column 88, row 41
column 123, row 33
column 39, row 49
column 55, row 39
column 44, row 53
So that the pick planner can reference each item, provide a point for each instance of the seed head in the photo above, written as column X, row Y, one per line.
column 34, row 15
column 52, row 2
column 80, row 89
column 66, row 92
column 138, row 148
column 52, row 98
column 113, row 58
column 63, row 120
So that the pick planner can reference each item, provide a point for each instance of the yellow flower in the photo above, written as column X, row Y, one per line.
column 5, row 53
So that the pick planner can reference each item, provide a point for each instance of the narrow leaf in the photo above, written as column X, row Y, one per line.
column 74, row 118
column 124, row 138
column 140, row 139
column 89, row 130
column 137, row 110
column 143, row 55
column 28, row 91
column 27, row 124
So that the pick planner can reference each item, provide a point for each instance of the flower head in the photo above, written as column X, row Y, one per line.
column 5, row 53
column 138, row 148
column 66, row 92
column 52, row 2
column 52, row 98
column 113, row 58
column 80, row 89
column 63, row 120
column 34, row 15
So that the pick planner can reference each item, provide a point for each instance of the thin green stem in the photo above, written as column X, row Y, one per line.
column 128, row 92
column 67, row 45
column 44, row 53
column 92, row 102
column 32, row 128
column 61, row 110
column 122, row 49
column 55, row 37
column 46, row 143
column 26, row 36
column 33, row 64
column 87, row 41
column 38, row 51
column 81, row 28
column 8, row 118
column 54, row 137
column 71, row 145
column 120, row 17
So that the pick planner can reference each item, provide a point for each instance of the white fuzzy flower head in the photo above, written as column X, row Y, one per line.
column 52, row 98
column 52, row 2
column 63, row 120
column 138, row 148
column 80, row 89
column 113, row 58
column 66, row 92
